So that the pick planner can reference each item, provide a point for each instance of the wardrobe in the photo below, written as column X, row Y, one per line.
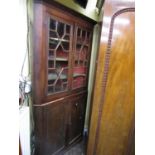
column 111, row 130
column 62, row 42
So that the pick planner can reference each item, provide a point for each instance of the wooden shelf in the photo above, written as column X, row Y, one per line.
column 57, row 59
column 61, row 59
column 51, row 68
column 53, row 76
column 63, row 76
column 58, row 39
column 77, row 75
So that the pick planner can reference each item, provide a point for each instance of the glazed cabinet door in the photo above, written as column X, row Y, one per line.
column 76, row 118
column 62, row 49
column 59, row 44
column 53, row 40
column 54, row 128
column 81, row 56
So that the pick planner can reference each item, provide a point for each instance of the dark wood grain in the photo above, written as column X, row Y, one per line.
column 54, row 127
column 20, row 149
column 76, row 119
column 58, row 122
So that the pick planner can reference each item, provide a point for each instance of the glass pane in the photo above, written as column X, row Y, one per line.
column 52, row 75
column 78, row 47
column 79, row 32
column 81, row 59
column 50, row 89
column 53, row 43
column 65, row 45
column 53, row 34
column 78, row 82
column 60, row 29
column 61, row 64
column 88, row 37
column 83, row 35
column 51, row 64
column 67, row 37
column 58, row 56
column 57, row 80
column 52, row 24
column 67, row 29
column 51, row 53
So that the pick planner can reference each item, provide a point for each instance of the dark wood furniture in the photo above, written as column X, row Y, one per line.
column 62, row 46
column 112, row 119
column 20, row 149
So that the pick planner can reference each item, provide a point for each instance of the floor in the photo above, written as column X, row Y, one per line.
column 78, row 149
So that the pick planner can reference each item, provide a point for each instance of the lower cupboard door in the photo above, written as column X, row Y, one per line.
column 76, row 121
column 54, row 128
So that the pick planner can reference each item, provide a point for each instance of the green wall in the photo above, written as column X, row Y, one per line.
column 95, row 48
column 90, row 10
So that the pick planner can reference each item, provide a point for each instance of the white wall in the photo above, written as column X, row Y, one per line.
column 13, row 29
column 24, row 130
column 24, row 116
column 23, row 37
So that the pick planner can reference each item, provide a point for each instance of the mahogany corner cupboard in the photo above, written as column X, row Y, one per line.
column 62, row 48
